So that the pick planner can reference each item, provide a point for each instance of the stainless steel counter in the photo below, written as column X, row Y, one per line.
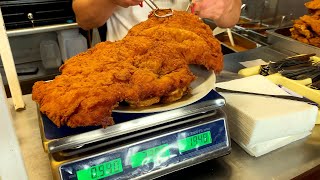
column 284, row 163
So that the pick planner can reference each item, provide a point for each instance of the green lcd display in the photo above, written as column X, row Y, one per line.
column 194, row 141
column 157, row 154
column 101, row 171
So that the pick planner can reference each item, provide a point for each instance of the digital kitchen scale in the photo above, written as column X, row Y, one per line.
column 139, row 146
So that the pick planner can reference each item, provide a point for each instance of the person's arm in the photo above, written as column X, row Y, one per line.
column 94, row 13
column 225, row 13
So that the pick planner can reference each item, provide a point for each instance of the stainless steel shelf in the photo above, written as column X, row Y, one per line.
column 41, row 29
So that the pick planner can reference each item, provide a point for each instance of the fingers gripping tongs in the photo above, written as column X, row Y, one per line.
column 160, row 13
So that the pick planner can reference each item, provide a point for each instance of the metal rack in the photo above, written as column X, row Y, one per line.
column 42, row 29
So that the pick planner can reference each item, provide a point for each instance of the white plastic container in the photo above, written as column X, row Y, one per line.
column 50, row 54
column 71, row 43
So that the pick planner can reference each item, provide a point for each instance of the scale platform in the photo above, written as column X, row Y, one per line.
column 139, row 146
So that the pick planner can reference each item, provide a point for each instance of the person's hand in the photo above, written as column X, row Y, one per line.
column 126, row 3
column 225, row 13
column 213, row 9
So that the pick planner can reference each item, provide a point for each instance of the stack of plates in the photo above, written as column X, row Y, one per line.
column 261, row 124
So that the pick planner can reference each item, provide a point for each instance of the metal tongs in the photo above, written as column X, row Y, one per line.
column 156, row 9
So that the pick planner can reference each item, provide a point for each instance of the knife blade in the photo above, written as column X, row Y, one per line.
column 269, row 95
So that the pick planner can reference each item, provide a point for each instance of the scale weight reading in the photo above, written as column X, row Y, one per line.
column 153, row 156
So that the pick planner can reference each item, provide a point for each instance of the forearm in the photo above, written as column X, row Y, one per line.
column 231, row 15
column 92, row 13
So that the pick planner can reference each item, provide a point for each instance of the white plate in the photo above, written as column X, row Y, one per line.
column 200, row 87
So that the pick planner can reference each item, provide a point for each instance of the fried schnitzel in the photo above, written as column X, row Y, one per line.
column 148, row 66
column 307, row 28
column 314, row 4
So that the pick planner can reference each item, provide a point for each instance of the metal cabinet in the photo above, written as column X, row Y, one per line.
column 28, row 23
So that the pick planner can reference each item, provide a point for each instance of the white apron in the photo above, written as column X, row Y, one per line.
column 124, row 18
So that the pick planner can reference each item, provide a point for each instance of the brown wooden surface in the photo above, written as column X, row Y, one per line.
column 312, row 174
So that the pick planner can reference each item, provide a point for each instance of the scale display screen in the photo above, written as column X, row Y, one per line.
column 101, row 171
column 149, row 155
column 159, row 154
column 194, row 141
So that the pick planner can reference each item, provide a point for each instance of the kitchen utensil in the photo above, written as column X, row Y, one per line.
column 291, row 66
column 156, row 9
column 189, row 5
column 230, row 36
column 315, row 85
column 218, row 30
column 282, row 20
column 243, row 6
column 268, row 95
